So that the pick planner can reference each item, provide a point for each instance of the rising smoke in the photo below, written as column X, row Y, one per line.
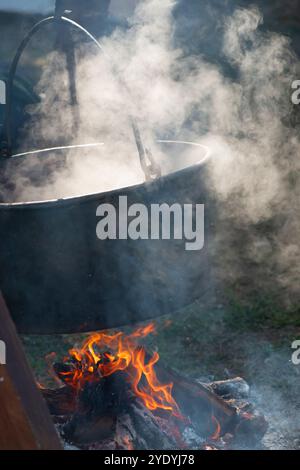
column 245, row 120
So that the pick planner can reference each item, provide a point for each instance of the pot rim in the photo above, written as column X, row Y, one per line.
column 90, row 196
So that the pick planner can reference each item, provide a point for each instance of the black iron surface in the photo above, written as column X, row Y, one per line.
column 58, row 277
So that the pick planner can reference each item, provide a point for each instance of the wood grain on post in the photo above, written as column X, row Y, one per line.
column 25, row 422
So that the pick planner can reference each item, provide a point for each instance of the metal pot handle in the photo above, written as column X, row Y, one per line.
column 148, row 164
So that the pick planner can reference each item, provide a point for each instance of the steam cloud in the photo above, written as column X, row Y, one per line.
column 246, row 119
column 246, row 122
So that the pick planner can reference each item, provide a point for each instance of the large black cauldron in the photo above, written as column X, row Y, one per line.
column 58, row 277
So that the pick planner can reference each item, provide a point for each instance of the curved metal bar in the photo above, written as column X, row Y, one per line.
column 151, row 169
column 54, row 149
column 6, row 143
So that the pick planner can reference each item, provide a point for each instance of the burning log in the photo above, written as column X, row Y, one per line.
column 117, row 396
column 200, row 402
column 234, row 388
column 60, row 401
column 98, row 406
column 108, row 416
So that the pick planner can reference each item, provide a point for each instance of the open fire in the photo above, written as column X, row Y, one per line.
column 102, row 355
column 115, row 395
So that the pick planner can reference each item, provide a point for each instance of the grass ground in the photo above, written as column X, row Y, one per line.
column 214, row 341
column 204, row 338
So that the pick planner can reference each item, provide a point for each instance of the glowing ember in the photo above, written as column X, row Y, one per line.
column 103, row 354
column 216, row 434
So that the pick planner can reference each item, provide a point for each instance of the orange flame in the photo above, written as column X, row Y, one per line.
column 216, row 434
column 103, row 354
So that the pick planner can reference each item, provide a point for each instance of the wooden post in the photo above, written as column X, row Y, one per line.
column 25, row 422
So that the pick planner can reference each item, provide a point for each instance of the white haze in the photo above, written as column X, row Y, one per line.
column 246, row 123
column 243, row 121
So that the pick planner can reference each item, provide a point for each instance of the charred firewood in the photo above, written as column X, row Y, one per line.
column 82, row 430
column 198, row 402
column 250, row 430
column 139, row 428
column 98, row 406
column 61, row 401
column 152, row 431
column 233, row 388
column 105, row 412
